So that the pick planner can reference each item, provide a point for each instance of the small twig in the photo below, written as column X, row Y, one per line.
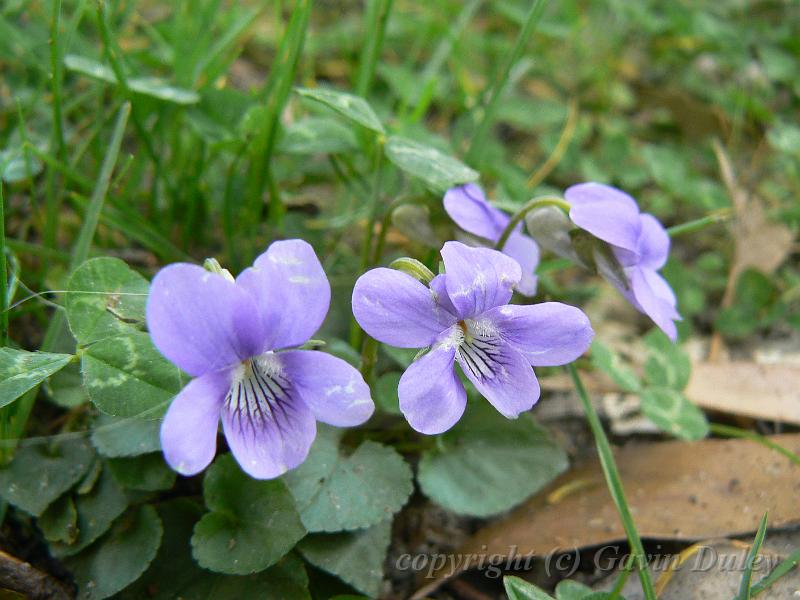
column 21, row 577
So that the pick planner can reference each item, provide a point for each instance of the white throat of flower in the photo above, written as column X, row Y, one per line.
column 478, row 344
column 259, row 392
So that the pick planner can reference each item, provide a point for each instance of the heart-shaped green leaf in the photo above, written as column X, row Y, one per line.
column 41, row 472
column 356, row 557
column 105, row 298
column 336, row 491
column 120, row 557
column 175, row 574
column 486, row 464
column 252, row 523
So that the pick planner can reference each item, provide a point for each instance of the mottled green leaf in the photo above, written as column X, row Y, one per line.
column 105, row 298
column 354, row 108
column 147, row 86
column 97, row 510
column 610, row 363
column 336, row 491
column 672, row 412
column 252, row 523
column 667, row 364
column 147, row 472
column 21, row 371
column 120, row 557
column 127, row 377
column 356, row 557
column 175, row 574
column 318, row 135
column 439, row 171
column 43, row 470
column 487, row 464
column 115, row 437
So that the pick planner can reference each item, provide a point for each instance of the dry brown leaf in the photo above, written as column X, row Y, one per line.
column 676, row 491
column 711, row 570
column 760, row 391
column 759, row 243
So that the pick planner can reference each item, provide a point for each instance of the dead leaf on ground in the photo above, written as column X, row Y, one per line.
column 761, row 391
column 711, row 570
column 758, row 242
column 676, row 490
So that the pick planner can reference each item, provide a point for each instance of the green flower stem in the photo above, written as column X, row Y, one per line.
column 735, row 432
column 516, row 219
column 478, row 139
column 380, row 244
column 614, row 484
column 356, row 335
column 719, row 216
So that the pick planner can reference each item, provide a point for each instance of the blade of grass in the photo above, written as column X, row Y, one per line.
column 52, row 201
column 782, row 569
column 477, row 144
column 276, row 93
column 736, row 432
column 14, row 417
column 614, row 484
column 114, row 56
column 375, row 19
column 747, row 576
column 80, row 251
column 427, row 86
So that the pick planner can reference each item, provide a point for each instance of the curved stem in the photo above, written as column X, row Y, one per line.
column 744, row 434
column 386, row 222
column 614, row 483
column 561, row 147
column 516, row 219
column 701, row 223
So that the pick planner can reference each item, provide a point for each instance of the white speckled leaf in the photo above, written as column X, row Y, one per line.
column 126, row 376
column 21, row 371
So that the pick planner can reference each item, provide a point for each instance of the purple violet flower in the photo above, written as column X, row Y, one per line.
column 464, row 316
column 639, row 243
column 225, row 332
column 469, row 209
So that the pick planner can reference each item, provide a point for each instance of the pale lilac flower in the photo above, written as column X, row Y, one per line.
column 225, row 333
column 469, row 209
column 639, row 243
column 464, row 317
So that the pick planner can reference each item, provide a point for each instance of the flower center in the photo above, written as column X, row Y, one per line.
column 480, row 350
column 259, row 391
